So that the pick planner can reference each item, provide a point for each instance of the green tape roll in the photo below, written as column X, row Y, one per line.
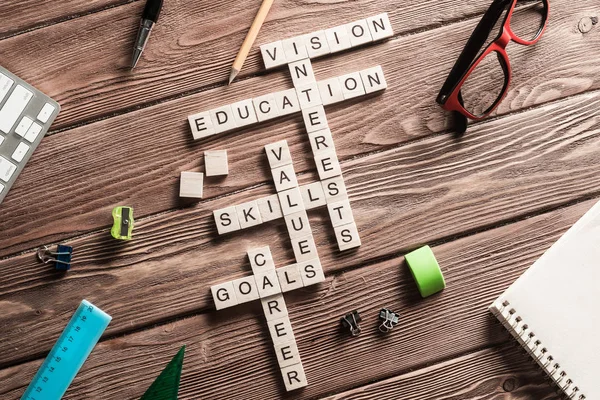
column 425, row 271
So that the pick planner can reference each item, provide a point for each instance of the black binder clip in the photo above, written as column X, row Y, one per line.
column 389, row 318
column 351, row 321
column 61, row 257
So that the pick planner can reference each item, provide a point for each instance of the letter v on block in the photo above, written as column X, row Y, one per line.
column 278, row 154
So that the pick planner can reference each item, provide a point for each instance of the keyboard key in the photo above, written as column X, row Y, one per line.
column 14, row 107
column 5, row 85
column 23, row 126
column 33, row 132
column 7, row 169
column 20, row 152
column 46, row 113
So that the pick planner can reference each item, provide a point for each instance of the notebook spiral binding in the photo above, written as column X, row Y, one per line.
column 509, row 317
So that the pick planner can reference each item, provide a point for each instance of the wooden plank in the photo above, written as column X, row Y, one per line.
column 145, row 150
column 477, row 268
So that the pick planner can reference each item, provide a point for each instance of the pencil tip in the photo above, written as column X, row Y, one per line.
column 232, row 75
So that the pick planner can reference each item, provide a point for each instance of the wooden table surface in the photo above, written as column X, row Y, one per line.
column 488, row 203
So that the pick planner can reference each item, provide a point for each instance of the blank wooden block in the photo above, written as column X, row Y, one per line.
column 314, row 119
column 347, row 236
column 308, row 95
column 281, row 330
column 380, row 27
column 243, row 113
column 284, row 177
column 224, row 295
column 287, row 354
column 223, row 119
column 359, row 32
column 215, row 162
column 248, row 214
column 321, row 140
column 335, row 189
column 297, row 224
column 261, row 259
column 291, row 201
column 373, row 79
column 340, row 213
column 328, row 165
column 330, row 91
column 274, row 307
column 201, row 125
column 316, row 44
column 226, row 220
column 304, row 248
column 267, row 283
column 294, row 49
column 311, row 272
column 191, row 184
column 278, row 154
column 289, row 278
column 265, row 107
column 245, row 289
column 352, row 85
column 269, row 208
column 338, row 38
column 273, row 54
column 313, row 195
column 294, row 377
column 302, row 72
column 287, row 102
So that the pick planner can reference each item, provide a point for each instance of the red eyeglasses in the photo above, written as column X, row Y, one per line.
column 479, row 81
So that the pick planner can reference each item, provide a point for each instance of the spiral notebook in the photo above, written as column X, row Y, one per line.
column 553, row 309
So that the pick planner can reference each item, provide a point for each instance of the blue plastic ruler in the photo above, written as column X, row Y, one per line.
column 68, row 354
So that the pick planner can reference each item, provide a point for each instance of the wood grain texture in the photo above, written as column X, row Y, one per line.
column 231, row 348
column 155, row 143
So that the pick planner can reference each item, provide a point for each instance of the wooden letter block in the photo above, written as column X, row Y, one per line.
column 308, row 95
column 267, row 283
column 313, row 195
column 291, row 201
column 304, row 248
column 380, row 27
column 265, row 107
column 302, row 72
column 311, row 272
column 359, row 32
column 273, row 54
column 284, row 177
column 289, row 278
column 274, row 307
column 227, row 220
column 223, row 119
column 335, row 189
column 373, row 79
column 287, row 102
column 330, row 91
column 224, row 295
column 243, row 113
column 347, row 236
column 316, row 44
column 340, row 213
column 261, row 259
column 287, row 354
column 201, row 125
column 269, row 208
column 297, row 224
column 191, row 184
column 248, row 214
column 281, row 330
column 352, row 85
column 321, row 140
column 278, row 154
column 338, row 38
column 215, row 162
column 294, row 49
column 328, row 165
column 245, row 289
column 294, row 377
column 314, row 119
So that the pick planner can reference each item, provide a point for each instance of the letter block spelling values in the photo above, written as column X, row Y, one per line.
column 291, row 203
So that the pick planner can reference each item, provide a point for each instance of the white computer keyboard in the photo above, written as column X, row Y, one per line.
column 25, row 116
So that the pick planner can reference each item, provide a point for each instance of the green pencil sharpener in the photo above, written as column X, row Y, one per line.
column 123, row 223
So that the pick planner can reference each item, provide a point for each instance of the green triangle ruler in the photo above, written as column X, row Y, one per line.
column 166, row 385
